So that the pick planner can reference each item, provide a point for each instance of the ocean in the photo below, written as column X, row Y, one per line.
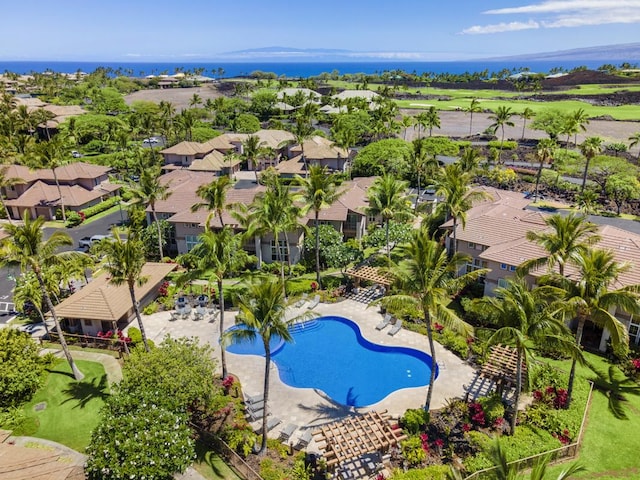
column 291, row 69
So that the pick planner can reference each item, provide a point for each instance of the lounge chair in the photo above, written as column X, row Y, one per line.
column 254, row 407
column 396, row 328
column 254, row 398
column 286, row 432
column 174, row 316
column 302, row 300
column 272, row 423
column 314, row 303
column 385, row 321
column 305, row 438
column 255, row 415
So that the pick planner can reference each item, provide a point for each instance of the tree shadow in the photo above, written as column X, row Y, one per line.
column 83, row 392
column 616, row 386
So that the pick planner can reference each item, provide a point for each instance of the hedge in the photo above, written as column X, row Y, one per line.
column 100, row 207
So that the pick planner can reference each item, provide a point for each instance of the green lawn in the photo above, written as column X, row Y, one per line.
column 610, row 445
column 211, row 466
column 72, row 408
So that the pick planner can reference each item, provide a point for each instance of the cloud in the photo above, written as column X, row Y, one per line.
column 562, row 14
column 500, row 27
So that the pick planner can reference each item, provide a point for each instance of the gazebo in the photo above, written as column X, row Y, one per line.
column 372, row 274
column 501, row 366
column 353, row 437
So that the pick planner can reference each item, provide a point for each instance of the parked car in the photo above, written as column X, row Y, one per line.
column 150, row 140
column 87, row 242
column 76, row 154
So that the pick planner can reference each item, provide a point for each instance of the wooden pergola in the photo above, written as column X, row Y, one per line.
column 353, row 437
column 502, row 364
column 365, row 272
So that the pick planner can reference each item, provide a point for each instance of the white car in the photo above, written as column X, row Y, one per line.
column 150, row 140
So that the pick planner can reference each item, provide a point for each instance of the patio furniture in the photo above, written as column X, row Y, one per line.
column 385, row 321
column 286, row 432
column 314, row 303
column 202, row 300
column 174, row 316
column 254, row 407
column 305, row 438
column 254, row 398
column 255, row 415
column 302, row 300
column 396, row 328
column 272, row 423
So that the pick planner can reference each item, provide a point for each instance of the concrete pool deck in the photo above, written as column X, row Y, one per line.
column 307, row 407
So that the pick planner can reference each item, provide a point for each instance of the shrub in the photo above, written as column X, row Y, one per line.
column 453, row 342
column 73, row 219
column 414, row 420
column 413, row 451
column 151, row 308
column 21, row 367
column 506, row 145
column 100, row 207
column 493, row 407
column 432, row 472
column 136, row 337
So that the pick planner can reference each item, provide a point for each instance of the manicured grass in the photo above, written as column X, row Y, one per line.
column 211, row 465
column 72, row 408
column 610, row 445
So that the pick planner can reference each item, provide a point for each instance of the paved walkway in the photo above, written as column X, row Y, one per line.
column 310, row 408
column 111, row 365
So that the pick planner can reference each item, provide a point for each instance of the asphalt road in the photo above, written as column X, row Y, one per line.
column 101, row 226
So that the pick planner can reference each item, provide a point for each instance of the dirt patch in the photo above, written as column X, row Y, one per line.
column 179, row 97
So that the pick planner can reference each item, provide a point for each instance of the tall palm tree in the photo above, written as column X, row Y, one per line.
column 319, row 190
column 590, row 148
column 28, row 291
column 544, row 153
column 34, row 254
column 125, row 260
column 262, row 314
column 590, row 296
column 525, row 321
column 422, row 121
column 635, row 140
column 302, row 131
column 526, row 114
column 5, row 183
column 217, row 255
column 432, row 119
column 214, row 195
column 500, row 118
column 470, row 159
column 474, row 107
column 427, row 279
column 407, row 122
column 150, row 190
column 455, row 186
column 388, row 199
column 581, row 120
column 252, row 148
column 570, row 236
column 52, row 154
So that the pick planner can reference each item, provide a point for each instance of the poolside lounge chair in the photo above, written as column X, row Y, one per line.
column 254, row 407
column 385, row 321
column 254, row 398
column 302, row 300
column 396, row 328
column 314, row 303
column 273, row 422
column 255, row 415
column 286, row 432
column 305, row 438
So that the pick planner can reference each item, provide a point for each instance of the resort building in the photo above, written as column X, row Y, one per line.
column 81, row 185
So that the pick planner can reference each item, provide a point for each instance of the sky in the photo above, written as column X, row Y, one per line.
column 198, row 30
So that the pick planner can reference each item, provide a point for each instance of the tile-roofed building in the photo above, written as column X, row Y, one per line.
column 101, row 306
column 317, row 150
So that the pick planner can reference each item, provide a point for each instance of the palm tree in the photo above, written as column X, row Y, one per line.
column 427, row 279
column 319, row 190
column 125, row 260
column 590, row 297
column 252, row 148
column 421, row 161
column 635, row 140
column 214, row 195
column 195, row 100
column 217, row 255
column 5, row 183
column 501, row 117
column 302, row 131
column 470, row 159
column 526, row 114
column 407, row 122
column 388, row 199
column 590, row 148
column 149, row 191
column 474, row 107
column 432, row 119
column 52, row 154
column 422, row 121
column 570, row 237
column 580, row 119
column 262, row 314
column 34, row 254
column 525, row 321
column 455, row 186
column 28, row 291
column 544, row 152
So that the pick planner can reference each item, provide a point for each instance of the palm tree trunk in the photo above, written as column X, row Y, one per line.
column 470, row 123
column 317, row 250
column 155, row 220
column 386, row 226
column 432, row 351
column 44, row 321
column 55, row 176
column 454, row 247
column 77, row 374
column 136, row 310
column 279, row 257
column 265, row 394
column 535, row 199
column 223, row 358
column 572, row 373
column 584, row 174
column 516, row 397
column 6, row 209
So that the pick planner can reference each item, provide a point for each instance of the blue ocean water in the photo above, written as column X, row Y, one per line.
column 290, row 69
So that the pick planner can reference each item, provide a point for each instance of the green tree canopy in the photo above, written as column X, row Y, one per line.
column 21, row 367
column 384, row 156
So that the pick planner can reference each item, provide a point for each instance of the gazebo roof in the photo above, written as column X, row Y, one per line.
column 356, row 436
column 502, row 364
column 373, row 274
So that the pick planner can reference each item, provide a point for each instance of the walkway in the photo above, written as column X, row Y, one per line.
column 111, row 365
column 309, row 407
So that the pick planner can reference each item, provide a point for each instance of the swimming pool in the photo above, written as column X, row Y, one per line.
column 330, row 354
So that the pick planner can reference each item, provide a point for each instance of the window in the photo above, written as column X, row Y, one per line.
column 512, row 268
column 503, row 266
column 283, row 251
column 471, row 245
column 352, row 222
column 192, row 241
column 476, row 264
column 634, row 333
column 502, row 282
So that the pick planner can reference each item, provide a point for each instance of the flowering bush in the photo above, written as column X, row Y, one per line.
column 636, row 363
column 552, row 396
column 476, row 414
column 438, row 327
column 114, row 335
column 564, row 437
column 163, row 291
column 314, row 286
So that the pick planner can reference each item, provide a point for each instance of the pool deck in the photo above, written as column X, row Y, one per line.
column 309, row 408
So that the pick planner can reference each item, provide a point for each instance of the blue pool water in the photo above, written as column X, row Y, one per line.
column 330, row 354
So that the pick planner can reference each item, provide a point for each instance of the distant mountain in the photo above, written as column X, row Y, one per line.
column 628, row 52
